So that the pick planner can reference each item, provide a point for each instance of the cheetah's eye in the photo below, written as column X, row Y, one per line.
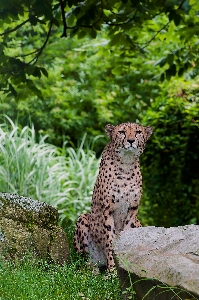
column 122, row 132
column 138, row 131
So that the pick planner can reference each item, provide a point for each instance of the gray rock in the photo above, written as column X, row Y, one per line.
column 168, row 256
column 30, row 227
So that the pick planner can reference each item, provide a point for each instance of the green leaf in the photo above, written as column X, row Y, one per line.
column 162, row 77
column 97, row 27
column 43, row 8
column 77, row 11
column 32, row 87
column 92, row 12
column 171, row 71
column 117, row 70
column 74, row 32
column 172, row 15
column 84, row 20
column 37, row 92
column 81, row 34
column 56, row 22
column 3, row 58
column 12, row 90
column 72, row 2
column 161, row 61
column 170, row 58
column 181, row 72
column 29, row 70
column 116, row 39
column 36, row 72
column 177, row 19
column 33, row 20
column 93, row 33
column 44, row 71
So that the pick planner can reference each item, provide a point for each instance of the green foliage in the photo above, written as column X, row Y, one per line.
column 170, row 163
column 130, row 27
column 63, row 178
column 83, row 95
column 39, row 280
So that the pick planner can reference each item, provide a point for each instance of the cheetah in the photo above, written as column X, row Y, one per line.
column 117, row 193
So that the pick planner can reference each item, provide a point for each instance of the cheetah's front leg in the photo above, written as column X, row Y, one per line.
column 82, row 234
column 84, row 241
column 131, row 220
column 109, row 236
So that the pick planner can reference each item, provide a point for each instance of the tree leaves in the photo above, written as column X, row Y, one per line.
column 131, row 26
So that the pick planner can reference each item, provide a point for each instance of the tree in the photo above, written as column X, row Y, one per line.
column 130, row 25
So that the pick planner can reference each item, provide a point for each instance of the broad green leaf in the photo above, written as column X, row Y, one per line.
column 115, row 39
column 12, row 90
column 93, row 33
column 177, row 19
column 44, row 71
column 56, row 22
column 117, row 70
column 36, row 72
column 33, row 20
column 170, row 58
column 170, row 32
column 161, row 62
column 81, row 34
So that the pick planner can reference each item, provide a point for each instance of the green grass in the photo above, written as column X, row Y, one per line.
column 42, row 281
column 39, row 280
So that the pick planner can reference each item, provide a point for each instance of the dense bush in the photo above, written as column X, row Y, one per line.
column 170, row 164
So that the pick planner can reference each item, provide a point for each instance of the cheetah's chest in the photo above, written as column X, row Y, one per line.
column 126, row 191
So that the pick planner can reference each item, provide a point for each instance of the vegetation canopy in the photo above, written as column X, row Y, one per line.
column 130, row 26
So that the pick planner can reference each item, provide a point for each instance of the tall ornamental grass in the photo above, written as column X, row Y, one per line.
column 63, row 177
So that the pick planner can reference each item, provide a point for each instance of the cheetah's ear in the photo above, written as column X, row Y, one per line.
column 108, row 129
column 148, row 131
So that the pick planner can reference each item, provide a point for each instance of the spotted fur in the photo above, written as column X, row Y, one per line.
column 116, row 194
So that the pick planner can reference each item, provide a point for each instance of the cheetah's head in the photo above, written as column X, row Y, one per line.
column 128, row 139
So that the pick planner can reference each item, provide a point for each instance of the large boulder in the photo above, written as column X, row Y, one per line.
column 30, row 227
column 152, row 260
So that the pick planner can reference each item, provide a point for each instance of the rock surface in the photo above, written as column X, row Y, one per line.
column 168, row 256
column 30, row 227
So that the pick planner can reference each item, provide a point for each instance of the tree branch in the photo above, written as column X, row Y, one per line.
column 127, row 13
column 24, row 55
column 120, row 24
column 181, row 4
column 14, row 29
column 147, row 43
column 64, row 34
column 40, row 50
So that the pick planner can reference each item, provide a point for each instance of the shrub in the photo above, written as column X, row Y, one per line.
column 170, row 164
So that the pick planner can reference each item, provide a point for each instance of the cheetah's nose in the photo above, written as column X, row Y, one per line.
column 131, row 141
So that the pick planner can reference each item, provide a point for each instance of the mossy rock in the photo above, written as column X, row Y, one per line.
column 30, row 226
